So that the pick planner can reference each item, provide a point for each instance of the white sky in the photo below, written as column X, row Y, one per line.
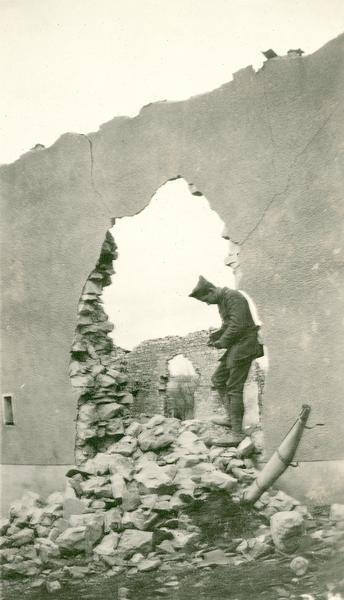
column 162, row 252
column 70, row 65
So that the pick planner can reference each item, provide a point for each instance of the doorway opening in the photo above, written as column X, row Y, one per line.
column 182, row 384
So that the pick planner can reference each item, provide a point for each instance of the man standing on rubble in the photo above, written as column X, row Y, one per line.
column 239, row 337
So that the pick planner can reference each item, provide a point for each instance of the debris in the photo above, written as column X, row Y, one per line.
column 269, row 54
column 108, row 544
column 299, row 565
column 133, row 541
column 53, row 586
column 287, row 528
column 149, row 564
column 245, row 448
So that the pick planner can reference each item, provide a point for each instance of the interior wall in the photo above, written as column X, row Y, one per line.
column 265, row 149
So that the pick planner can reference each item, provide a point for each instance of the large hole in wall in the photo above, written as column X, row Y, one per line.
column 162, row 251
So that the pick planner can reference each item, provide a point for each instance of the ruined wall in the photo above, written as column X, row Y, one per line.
column 266, row 150
column 148, row 363
column 147, row 367
column 97, row 368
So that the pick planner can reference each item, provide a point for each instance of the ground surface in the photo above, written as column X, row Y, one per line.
column 267, row 578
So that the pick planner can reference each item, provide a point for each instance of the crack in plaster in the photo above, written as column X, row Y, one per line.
column 285, row 189
column 95, row 189
column 269, row 125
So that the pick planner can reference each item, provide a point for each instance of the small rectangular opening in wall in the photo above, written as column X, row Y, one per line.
column 8, row 414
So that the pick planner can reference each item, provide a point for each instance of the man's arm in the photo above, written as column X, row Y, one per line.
column 232, row 326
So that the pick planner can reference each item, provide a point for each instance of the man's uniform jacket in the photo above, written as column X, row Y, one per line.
column 239, row 333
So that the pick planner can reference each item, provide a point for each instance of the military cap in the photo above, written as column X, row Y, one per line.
column 203, row 287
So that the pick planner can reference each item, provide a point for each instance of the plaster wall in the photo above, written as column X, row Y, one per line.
column 266, row 150
column 19, row 479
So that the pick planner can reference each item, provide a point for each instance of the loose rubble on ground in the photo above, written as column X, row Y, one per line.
column 150, row 493
column 134, row 509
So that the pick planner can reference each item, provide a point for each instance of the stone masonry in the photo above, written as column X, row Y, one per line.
column 148, row 374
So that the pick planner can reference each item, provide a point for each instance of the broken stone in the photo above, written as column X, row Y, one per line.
column 255, row 547
column 98, row 505
column 282, row 502
column 87, row 413
column 216, row 480
column 131, row 497
column 76, row 572
column 149, row 442
column 149, row 564
column 118, row 487
column 22, row 537
column 163, row 505
column 82, row 381
column 183, row 539
column 21, row 508
column 42, row 531
column 89, row 519
column 73, row 506
column 166, row 547
column 191, row 443
column 92, row 288
column 243, row 475
column 245, row 448
column 155, row 420
column 103, row 463
column 286, row 529
column 154, row 479
column 191, row 460
column 108, row 410
column 133, row 540
column 53, row 586
column 134, row 429
column 299, row 565
column 126, row 446
column 46, row 549
column 26, row 568
column 127, row 399
column 94, row 485
column 108, row 544
column 137, row 519
column 123, row 593
column 135, row 559
column 78, row 539
column 114, row 428
column 12, row 530
column 112, row 520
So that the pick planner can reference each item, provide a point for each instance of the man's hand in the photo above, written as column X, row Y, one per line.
column 217, row 344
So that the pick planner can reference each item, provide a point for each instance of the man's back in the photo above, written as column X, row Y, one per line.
column 234, row 307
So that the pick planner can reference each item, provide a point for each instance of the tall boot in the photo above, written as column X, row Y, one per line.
column 225, row 421
column 236, row 409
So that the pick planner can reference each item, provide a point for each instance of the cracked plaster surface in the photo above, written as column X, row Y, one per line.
column 265, row 150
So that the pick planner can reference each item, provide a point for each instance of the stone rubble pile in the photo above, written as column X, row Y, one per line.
column 98, row 368
column 129, row 509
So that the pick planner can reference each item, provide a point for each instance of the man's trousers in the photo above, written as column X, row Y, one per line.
column 229, row 381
